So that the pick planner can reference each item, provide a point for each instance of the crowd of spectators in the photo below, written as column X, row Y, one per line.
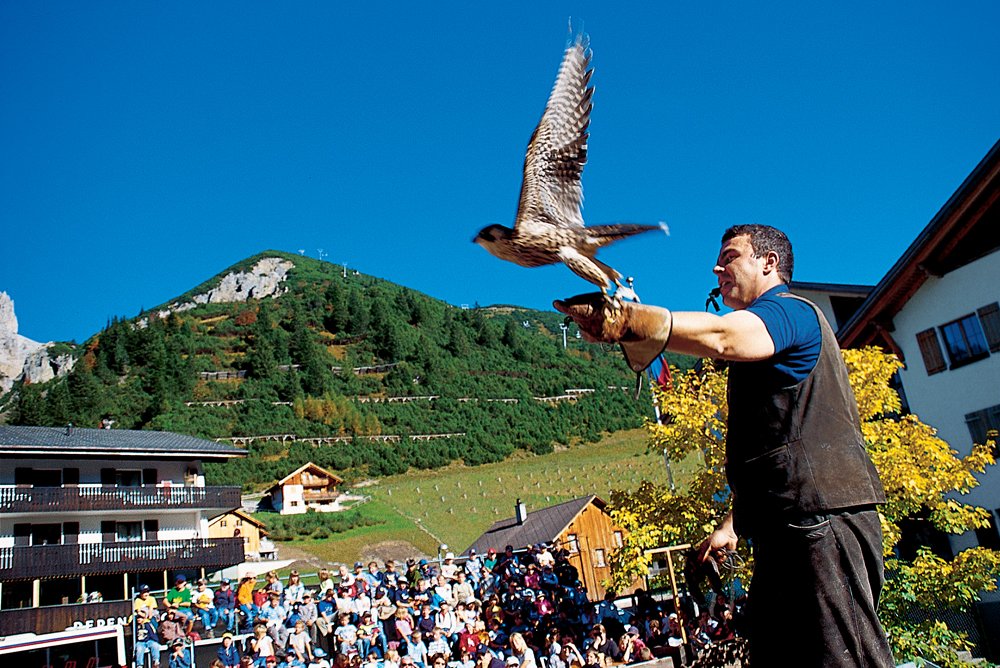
column 509, row 610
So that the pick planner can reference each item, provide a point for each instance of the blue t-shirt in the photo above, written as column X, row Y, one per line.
column 796, row 334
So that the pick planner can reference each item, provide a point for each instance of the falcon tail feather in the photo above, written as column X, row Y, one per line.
column 605, row 234
column 577, row 35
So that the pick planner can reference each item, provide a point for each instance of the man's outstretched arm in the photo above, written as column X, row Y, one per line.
column 737, row 336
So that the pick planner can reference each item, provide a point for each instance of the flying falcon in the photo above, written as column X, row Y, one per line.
column 549, row 226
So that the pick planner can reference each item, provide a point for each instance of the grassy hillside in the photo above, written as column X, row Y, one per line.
column 475, row 497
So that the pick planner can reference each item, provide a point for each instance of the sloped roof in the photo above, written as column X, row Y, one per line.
column 965, row 229
column 852, row 289
column 245, row 516
column 307, row 465
column 540, row 526
column 20, row 441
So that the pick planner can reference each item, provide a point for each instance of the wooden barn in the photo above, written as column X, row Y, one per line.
column 582, row 527
column 309, row 486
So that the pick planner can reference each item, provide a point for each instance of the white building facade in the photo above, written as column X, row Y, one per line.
column 938, row 310
column 96, row 510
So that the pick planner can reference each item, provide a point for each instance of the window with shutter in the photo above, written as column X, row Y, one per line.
column 964, row 340
column 989, row 318
column 977, row 426
column 981, row 422
column 930, row 350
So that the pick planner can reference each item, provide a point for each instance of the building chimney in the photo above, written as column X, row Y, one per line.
column 520, row 512
column 69, row 428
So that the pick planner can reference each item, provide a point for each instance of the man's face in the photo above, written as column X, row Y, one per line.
column 739, row 273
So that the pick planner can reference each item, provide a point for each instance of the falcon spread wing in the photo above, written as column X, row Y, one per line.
column 551, row 192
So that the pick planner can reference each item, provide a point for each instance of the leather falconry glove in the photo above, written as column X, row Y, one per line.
column 642, row 330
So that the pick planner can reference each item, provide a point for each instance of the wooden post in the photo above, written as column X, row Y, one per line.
column 125, row 586
column 673, row 585
column 673, row 588
column 83, row 587
column 36, row 593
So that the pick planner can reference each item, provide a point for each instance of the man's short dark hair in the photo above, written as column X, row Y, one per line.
column 763, row 240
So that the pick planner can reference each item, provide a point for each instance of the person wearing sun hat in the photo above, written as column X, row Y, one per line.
column 227, row 652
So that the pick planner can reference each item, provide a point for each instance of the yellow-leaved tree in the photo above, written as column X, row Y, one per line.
column 921, row 473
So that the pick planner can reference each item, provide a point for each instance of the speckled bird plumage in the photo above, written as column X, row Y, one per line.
column 549, row 226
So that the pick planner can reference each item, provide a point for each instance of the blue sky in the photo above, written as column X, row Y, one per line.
column 147, row 146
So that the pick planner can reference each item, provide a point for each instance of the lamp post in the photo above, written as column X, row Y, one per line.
column 563, row 326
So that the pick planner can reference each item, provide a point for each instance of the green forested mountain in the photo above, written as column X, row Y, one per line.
column 321, row 359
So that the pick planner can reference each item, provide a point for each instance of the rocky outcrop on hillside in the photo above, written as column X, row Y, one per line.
column 264, row 279
column 20, row 356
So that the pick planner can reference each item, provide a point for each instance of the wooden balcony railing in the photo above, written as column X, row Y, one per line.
column 61, row 617
column 54, row 561
column 110, row 497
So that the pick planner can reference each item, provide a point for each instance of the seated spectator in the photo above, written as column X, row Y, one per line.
column 531, row 577
column 174, row 626
column 228, row 654
column 372, row 661
column 299, row 645
column 605, row 645
column 373, row 576
column 295, row 591
column 320, row 659
column 245, row 600
column 724, row 629
column 473, row 567
column 326, row 619
column 180, row 656
column 370, row 635
column 570, row 657
column 147, row 640
column 425, row 622
column 225, row 605
column 461, row 589
column 347, row 635
column 180, row 595
column 273, row 616
column 519, row 649
column 203, row 603
column 438, row 646
column 417, row 649
column 273, row 584
column 468, row 638
column 631, row 645
column 448, row 567
column 308, row 613
column 446, row 620
column 444, row 590
column 261, row 646
column 392, row 659
column 325, row 583
column 145, row 601
column 404, row 626
column 465, row 659
column 391, row 576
